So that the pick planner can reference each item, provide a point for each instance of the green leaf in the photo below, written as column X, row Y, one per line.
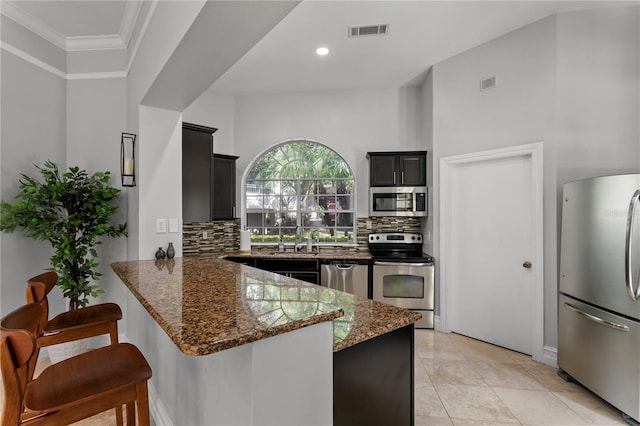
column 72, row 212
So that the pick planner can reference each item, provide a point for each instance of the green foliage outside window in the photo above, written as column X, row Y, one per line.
column 300, row 186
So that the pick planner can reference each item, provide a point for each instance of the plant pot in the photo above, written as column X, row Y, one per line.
column 67, row 350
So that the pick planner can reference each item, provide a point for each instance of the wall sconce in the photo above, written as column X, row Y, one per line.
column 128, row 159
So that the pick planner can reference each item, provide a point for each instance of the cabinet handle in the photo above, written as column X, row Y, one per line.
column 402, row 178
column 634, row 294
column 394, row 178
column 233, row 212
column 610, row 324
column 401, row 264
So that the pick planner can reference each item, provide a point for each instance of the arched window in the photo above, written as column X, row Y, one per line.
column 300, row 190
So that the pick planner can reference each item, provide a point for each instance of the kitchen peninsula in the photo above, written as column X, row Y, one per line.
column 264, row 348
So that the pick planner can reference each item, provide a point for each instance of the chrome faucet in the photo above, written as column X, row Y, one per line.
column 298, row 244
column 280, row 242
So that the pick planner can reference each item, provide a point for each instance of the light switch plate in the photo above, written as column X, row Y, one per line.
column 161, row 226
column 173, row 224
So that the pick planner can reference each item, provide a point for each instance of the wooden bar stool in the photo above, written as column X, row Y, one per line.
column 71, row 390
column 94, row 320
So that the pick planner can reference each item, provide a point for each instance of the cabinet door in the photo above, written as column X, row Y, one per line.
column 249, row 261
column 197, row 151
column 301, row 269
column 382, row 170
column 310, row 277
column 223, row 197
column 413, row 171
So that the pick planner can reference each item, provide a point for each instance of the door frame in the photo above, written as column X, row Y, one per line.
column 447, row 165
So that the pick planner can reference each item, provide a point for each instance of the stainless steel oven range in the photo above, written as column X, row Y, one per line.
column 403, row 274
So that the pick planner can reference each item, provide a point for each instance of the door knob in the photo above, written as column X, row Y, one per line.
column 526, row 264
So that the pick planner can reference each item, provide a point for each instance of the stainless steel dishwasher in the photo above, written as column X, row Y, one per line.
column 350, row 276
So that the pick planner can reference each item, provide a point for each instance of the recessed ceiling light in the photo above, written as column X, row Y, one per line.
column 322, row 51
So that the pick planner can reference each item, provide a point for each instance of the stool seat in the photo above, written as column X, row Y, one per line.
column 81, row 323
column 93, row 373
column 71, row 390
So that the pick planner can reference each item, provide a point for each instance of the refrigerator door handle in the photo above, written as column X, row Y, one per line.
column 610, row 324
column 634, row 293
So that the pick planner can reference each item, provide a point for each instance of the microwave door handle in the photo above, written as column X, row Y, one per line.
column 634, row 294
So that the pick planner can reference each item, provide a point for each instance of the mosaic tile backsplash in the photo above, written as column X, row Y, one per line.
column 224, row 235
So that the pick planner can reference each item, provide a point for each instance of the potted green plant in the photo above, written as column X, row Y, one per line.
column 72, row 212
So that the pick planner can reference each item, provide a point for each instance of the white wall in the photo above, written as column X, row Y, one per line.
column 95, row 120
column 570, row 81
column 160, row 179
column 350, row 122
column 519, row 110
column 33, row 131
column 167, row 24
column 213, row 109
column 426, row 134
column 598, row 93
column 267, row 382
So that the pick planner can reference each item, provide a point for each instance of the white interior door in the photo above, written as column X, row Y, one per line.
column 490, row 236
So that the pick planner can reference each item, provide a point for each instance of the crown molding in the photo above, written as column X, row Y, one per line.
column 55, row 71
column 34, row 25
column 105, row 42
column 131, row 15
column 129, row 18
column 147, row 20
column 96, row 75
column 32, row 59
column 102, row 42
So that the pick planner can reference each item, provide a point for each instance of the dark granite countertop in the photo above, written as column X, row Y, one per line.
column 207, row 304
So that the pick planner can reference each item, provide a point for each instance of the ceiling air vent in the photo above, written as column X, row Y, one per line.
column 366, row 30
column 488, row 83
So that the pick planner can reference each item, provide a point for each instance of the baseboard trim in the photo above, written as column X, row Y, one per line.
column 437, row 325
column 156, row 407
column 550, row 356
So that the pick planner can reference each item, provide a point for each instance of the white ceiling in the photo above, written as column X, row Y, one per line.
column 77, row 18
column 421, row 33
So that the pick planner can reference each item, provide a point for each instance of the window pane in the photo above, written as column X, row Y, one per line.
column 300, row 184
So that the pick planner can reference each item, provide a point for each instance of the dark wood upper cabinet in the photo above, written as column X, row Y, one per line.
column 197, row 178
column 398, row 168
column 208, row 179
column 224, row 187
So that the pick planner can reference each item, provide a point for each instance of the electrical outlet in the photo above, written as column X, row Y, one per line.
column 161, row 226
column 369, row 225
column 173, row 224
column 205, row 235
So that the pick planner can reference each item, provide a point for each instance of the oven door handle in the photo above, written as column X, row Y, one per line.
column 401, row 264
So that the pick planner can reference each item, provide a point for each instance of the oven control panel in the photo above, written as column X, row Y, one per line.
column 395, row 237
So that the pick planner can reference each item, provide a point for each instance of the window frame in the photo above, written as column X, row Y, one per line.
column 299, row 211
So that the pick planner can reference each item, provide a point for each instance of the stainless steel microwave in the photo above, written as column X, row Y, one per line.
column 398, row 201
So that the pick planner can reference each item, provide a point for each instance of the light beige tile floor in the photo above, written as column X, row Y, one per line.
column 462, row 381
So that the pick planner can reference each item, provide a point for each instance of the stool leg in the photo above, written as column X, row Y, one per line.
column 131, row 413
column 119, row 420
column 143, row 404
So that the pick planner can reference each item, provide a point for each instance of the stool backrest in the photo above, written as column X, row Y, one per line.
column 17, row 347
column 38, row 288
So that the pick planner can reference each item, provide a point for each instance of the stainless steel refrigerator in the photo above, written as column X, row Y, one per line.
column 599, row 291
